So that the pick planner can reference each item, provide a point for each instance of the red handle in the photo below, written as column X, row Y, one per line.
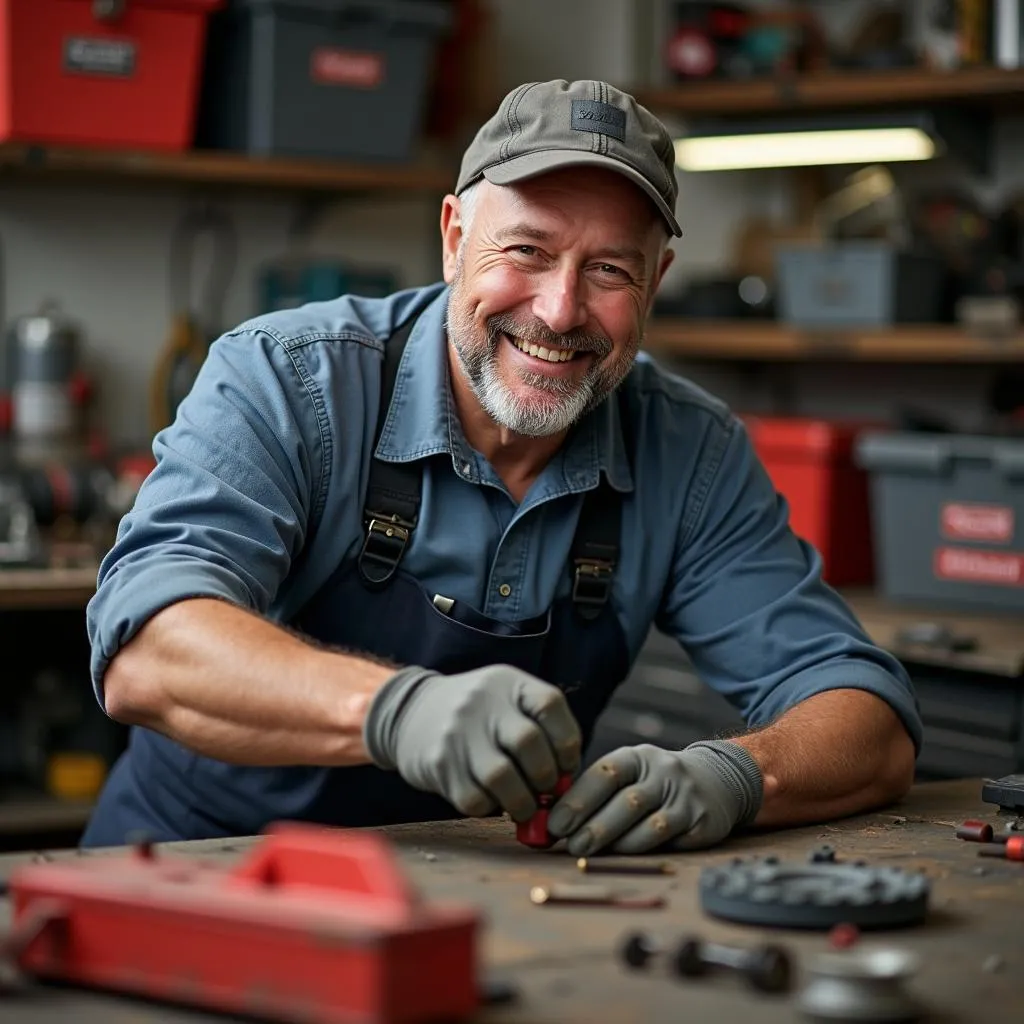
column 534, row 831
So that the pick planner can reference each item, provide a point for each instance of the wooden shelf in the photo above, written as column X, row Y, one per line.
column 33, row 814
column 47, row 588
column 216, row 168
column 773, row 342
column 835, row 90
column 999, row 640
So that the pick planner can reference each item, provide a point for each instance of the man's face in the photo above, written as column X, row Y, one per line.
column 551, row 287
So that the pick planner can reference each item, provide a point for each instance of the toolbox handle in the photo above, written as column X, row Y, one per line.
column 1009, row 460
column 911, row 454
column 351, row 864
column 108, row 10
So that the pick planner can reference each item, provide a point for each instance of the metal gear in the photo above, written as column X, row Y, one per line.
column 816, row 895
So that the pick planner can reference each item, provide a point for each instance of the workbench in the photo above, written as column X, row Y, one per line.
column 563, row 961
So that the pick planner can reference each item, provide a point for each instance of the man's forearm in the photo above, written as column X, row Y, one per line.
column 836, row 753
column 231, row 685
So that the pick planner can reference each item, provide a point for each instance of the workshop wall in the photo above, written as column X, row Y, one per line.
column 102, row 250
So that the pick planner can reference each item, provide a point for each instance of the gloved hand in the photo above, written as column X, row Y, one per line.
column 487, row 739
column 638, row 798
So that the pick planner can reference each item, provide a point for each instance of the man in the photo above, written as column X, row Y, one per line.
column 397, row 554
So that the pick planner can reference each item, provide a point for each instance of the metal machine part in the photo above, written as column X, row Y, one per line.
column 765, row 968
column 20, row 544
column 860, row 985
column 1006, row 792
column 815, row 895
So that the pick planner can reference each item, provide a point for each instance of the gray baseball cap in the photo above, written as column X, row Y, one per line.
column 542, row 126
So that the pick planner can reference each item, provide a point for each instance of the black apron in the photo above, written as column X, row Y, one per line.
column 160, row 789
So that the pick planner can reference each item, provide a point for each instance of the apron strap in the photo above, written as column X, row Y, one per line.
column 393, row 505
column 393, row 492
column 595, row 546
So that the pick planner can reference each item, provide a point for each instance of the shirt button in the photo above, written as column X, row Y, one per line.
column 504, row 590
column 466, row 467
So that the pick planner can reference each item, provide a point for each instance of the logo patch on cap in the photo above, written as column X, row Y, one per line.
column 600, row 118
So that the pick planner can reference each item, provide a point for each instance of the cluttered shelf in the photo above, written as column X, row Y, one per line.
column 222, row 168
column 836, row 89
column 47, row 587
column 775, row 342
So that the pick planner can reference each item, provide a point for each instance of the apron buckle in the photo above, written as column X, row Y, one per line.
column 592, row 585
column 386, row 540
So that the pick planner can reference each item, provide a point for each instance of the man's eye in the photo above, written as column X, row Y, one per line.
column 526, row 250
column 609, row 268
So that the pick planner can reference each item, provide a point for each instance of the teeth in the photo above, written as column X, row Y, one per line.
column 552, row 355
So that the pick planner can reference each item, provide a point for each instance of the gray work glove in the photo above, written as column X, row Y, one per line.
column 638, row 798
column 487, row 739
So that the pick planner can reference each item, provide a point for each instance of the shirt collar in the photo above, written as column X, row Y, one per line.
column 422, row 420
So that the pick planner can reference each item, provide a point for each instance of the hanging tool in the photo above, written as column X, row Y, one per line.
column 194, row 325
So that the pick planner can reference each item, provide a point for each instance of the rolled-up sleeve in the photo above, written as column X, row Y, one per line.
column 746, row 598
column 226, row 508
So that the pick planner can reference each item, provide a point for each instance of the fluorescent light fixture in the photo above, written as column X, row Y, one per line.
column 893, row 138
column 803, row 149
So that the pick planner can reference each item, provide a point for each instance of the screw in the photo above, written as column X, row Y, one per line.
column 597, row 867
column 824, row 854
column 593, row 896
column 766, row 968
column 1012, row 849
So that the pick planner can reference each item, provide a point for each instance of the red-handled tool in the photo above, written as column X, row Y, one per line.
column 534, row 831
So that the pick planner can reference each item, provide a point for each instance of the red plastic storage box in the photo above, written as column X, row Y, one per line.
column 811, row 463
column 118, row 74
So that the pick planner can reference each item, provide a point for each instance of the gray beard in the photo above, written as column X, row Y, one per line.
column 571, row 400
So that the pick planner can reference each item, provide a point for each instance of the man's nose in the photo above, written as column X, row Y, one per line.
column 559, row 300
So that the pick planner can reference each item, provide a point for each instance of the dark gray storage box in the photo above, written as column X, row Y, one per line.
column 857, row 284
column 343, row 79
column 948, row 516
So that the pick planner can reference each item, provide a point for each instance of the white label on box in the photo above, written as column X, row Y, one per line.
column 992, row 523
column 1003, row 568
column 86, row 56
column 359, row 69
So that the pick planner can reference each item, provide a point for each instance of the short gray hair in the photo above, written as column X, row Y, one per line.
column 467, row 207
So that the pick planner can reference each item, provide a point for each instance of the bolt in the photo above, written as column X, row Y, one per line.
column 589, row 866
column 975, row 831
column 593, row 896
column 766, row 968
column 639, row 949
column 824, row 854
column 1012, row 849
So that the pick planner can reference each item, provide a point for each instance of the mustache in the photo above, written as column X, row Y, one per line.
column 538, row 333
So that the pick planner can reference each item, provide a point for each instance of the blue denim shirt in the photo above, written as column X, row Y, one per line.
column 257, row 497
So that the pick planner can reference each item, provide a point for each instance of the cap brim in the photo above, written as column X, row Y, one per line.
column 529, row 165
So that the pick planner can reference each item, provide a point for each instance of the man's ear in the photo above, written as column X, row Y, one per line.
column 663, row 264
column 451, row 235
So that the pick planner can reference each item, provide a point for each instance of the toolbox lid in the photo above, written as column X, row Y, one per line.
column 922, row 454
column 798, row 437
column 435, row 15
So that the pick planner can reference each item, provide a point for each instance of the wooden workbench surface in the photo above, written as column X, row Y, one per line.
column 563, row 960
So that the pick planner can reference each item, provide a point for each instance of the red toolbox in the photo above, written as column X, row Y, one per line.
column 102, row 73
column 313, row 924
column 811, row 463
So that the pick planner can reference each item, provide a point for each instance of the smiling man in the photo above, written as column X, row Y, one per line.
column 396, row 555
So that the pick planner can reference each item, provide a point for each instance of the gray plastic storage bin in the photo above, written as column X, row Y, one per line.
column 344, row 79
column 857, row 284
column 948, row 517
